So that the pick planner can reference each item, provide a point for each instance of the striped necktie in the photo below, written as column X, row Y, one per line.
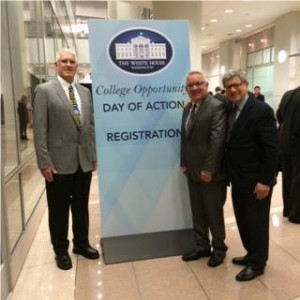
column 76, row 112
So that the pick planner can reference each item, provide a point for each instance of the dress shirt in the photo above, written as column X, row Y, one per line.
column 65, row 85
column 240, row 106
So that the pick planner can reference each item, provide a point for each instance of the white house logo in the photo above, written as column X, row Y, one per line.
column 140, row 51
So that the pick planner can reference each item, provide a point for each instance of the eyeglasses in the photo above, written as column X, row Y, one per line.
column 235, row 86
column 196, row 84
column 64, row 62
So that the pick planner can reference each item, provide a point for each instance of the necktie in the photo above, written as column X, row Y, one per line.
column 231, row 120
column 75, row 108
column 191, row 118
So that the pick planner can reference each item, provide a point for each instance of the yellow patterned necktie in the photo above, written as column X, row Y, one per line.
column 75, row 108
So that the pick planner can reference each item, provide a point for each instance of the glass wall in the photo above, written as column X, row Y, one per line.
column 31, row 33
column 260, row 63
column 211, row 69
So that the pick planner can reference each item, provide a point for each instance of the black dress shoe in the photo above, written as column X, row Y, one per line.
column 241, row 261
column 195, row 254
column 248, row 273
column 63, row 261
column 215, row 261
column 86, row 251
column 294, row 220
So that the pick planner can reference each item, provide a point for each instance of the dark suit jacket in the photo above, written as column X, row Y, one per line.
column 252, row 150
column 288, row 115
column 202, row 148
column 260, row 97
column 58, row 141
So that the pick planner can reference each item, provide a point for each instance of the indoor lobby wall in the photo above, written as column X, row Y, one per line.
column 257, row 55
column 31, row 32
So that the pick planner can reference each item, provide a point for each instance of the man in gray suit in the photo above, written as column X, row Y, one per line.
column 64, row 139
column 202, row 145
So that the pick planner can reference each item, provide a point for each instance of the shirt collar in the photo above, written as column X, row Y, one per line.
column 65, row 84
column 243, row 102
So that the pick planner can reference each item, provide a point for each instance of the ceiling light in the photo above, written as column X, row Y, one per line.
column 263, row 40
column 214, row 20
column 282, row 56
column 248, row 25
column 228, row 11
column 203, row 28
column 238, row 30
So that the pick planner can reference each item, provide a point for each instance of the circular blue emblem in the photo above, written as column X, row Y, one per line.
column 140, row 51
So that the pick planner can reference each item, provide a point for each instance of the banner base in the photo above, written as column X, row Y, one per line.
column 146, row 246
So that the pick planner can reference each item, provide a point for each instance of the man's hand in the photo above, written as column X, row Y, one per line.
column 94, row 166
column 261, row 191
column 183, row 169
column 48, row 173
column 205, row 176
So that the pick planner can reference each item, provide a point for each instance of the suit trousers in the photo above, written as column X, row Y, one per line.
column 63, row 193
column 207, row 201
column 252, row 217
column 291, row 186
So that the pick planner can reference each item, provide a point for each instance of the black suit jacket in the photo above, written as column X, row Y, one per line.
column 288, row 115
column 260, row 97
column 203, row 147
column 252, row 149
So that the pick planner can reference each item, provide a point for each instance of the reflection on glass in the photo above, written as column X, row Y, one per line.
column 33, row 186
column 13, row 206
column 9, row 156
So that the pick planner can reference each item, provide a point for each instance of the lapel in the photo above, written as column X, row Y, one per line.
column 242, row 118
column 63, row 98
column 200, row 111
column 84, row 104
column 186, row 111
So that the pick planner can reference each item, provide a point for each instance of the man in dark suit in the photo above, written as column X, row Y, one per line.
column 288, row 115
column 251, row 162
column 258, row 95
column 218, row 95
column 202, row 145
column 64, row 139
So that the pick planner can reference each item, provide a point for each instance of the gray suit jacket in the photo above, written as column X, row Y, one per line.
column 58, row 140
column 203, row 147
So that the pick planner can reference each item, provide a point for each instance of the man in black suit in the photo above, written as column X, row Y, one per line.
column 218, row 95
column 288, row 115
column 258, row 95
column 202, row 147
column 251, row 162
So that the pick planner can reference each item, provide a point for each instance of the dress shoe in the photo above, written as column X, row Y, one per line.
column 241, row 261
column 248, row 273
column 294, row 220
column 195, row 254
column 63, row 261
column 215, row 260
column 86, row 251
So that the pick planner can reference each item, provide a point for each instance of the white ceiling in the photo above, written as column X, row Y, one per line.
column 259, row 14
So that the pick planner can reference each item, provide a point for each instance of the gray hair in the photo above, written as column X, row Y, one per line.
column 63, row 50
column 231, row 74
column 195, row 73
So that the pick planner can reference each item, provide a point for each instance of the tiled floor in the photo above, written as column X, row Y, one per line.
column 165, row 278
